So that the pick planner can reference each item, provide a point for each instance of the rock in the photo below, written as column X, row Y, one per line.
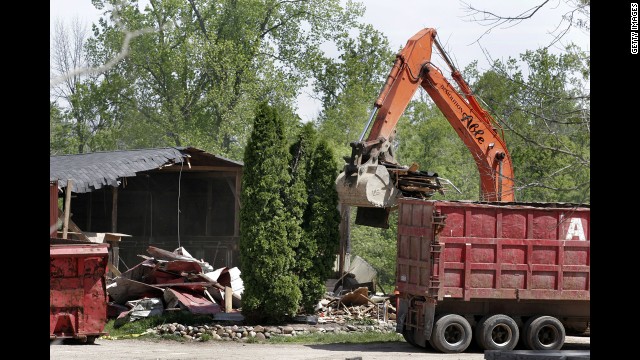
column 287, row 329
column 260, row 336
column 221, row 331
column 288, row 335
column 216, row 337
column 313, row 330
column 234, row 327
column 351, row 327
column 248, row 328
column 258, row 329
column 218, row 326
column 238, row 335
column 206, row 327
column 187, row 337
column 180, row 327
column 183, row 333
column 189, row 328
column 225, row 335
column 252, row 334
column 298, row 328
column 274, row 330
column 229, row 331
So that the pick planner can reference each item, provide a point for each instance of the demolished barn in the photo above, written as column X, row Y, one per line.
column 165, row 197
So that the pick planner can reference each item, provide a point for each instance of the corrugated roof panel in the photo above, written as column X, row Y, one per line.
column 92, row 171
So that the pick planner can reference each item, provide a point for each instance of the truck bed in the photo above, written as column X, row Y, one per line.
column 493, row 251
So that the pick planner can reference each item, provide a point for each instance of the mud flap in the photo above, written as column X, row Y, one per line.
column 429, row 316
column 401, row 315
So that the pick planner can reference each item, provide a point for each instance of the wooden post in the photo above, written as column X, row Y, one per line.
column 114, row 209
column 228, row 295
column 236, row 220
column 67, row 208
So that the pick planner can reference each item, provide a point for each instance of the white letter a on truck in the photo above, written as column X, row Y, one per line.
column 575, row 229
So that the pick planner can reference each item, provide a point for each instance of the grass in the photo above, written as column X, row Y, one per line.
column 136, row 328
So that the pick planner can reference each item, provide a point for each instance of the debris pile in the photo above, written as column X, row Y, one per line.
column 356, row 305
column 176, row 281
column 169, row 281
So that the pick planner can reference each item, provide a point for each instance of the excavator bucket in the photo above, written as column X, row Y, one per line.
column 370, row 186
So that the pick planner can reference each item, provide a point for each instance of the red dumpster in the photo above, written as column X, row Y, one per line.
column 77, row 293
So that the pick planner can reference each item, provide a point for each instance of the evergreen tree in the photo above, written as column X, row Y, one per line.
column 321, row 225
column 301, row 153
column 266, row 247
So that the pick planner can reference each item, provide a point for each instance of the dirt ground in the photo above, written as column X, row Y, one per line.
column 166, row 349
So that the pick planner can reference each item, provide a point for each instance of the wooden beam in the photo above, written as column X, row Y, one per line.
column 236, row 220
column 228, row 296
column 74, row 228
column 202, row 168
column 114, row 209
column 67, row 208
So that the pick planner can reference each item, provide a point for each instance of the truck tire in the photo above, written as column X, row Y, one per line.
column 451, row 334
column 497, row 332
column 543, row 333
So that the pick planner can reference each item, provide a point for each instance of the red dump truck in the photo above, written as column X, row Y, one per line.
column 494, row 271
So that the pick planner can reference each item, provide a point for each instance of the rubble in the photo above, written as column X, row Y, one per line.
column 170, row 281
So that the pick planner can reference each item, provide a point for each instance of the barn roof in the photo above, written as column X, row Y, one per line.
column 92, row 171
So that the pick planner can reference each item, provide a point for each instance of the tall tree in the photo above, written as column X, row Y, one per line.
column 300, row 166
column 266, row 245
column 349, row 85
column 322, row 223
column 68, row 54
column 544, row 107
column 197, row 79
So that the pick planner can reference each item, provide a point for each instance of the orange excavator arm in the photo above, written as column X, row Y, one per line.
column 372, row 175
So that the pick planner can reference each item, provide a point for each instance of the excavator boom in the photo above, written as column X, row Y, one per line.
column 372, row 178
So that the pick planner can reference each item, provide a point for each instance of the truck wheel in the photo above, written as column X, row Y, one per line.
column 497, row 332
column 543, row 333
column 91, row 340
column 451, row 334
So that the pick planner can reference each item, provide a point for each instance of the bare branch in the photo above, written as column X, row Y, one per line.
column 493, row 20
column 124, row 51
column 76, row 69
